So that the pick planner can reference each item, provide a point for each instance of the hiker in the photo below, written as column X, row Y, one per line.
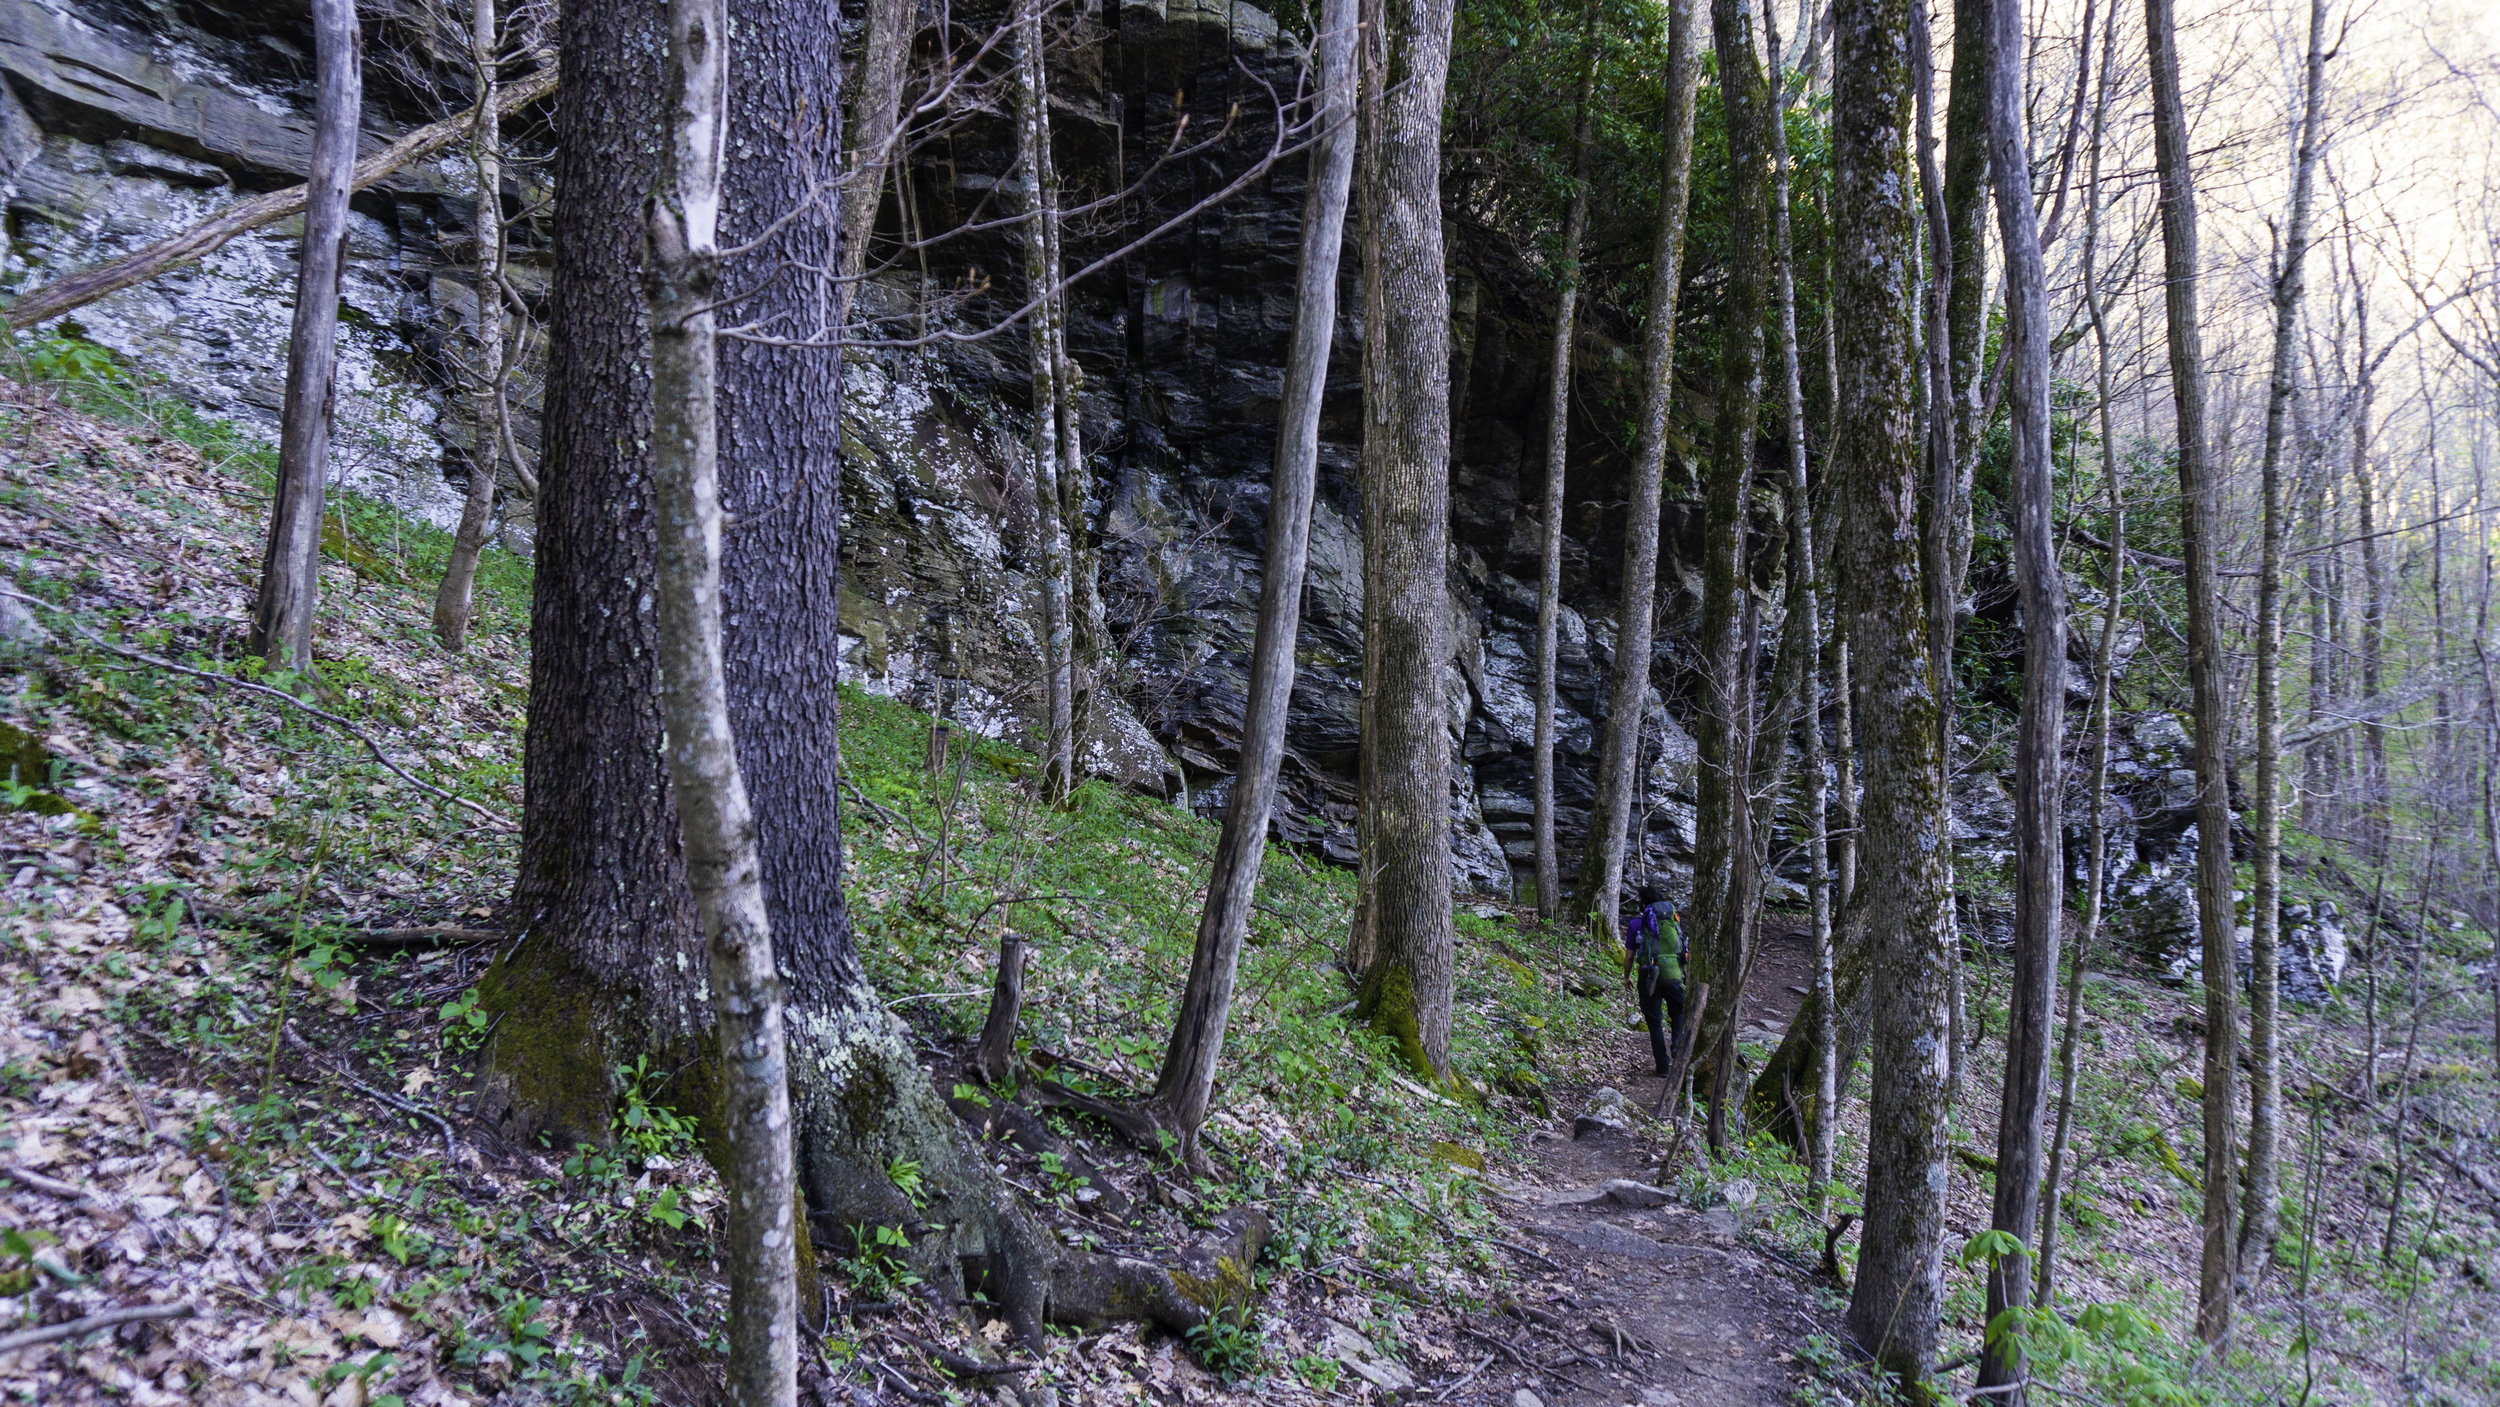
column 1653, row 965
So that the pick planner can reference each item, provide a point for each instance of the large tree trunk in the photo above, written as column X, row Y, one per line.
column 1725, row 873
column 290, row 564
column 2096, row 876
column 2039, row 752
column 1894, row 1304
column 452, row 604
column 608, row 965
column 1186, row 1085
column 1406, row 529
column 2213, row 800
column 723, row 867
column 1557, row 455
column 2260, row 1216
column 1598, row 897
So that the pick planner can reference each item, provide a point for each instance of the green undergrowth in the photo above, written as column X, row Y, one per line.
column 374, row 537
column 1108, row 888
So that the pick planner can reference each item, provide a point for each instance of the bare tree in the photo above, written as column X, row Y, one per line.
column 488, row 407
column 1041, row 271
column 1894, row 1304
column 1803, row 568
column 1557, row 456
column 2039, row 750
column 1725, row 875
column 723, row 867
column 2104, row 667
column 290, row 566
column 1406, row 524
column 2260, row 1216
column 1599, row 894
column 2177, row 186
column 1185, row 1088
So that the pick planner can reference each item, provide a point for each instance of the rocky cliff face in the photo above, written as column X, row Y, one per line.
column 119, row 123
column 123, row 122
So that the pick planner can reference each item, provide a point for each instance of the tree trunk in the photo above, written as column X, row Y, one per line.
column 1956, row 428
column 2039, row 753
column 875, row 136
column 2104, row 667
column 994, row 1055
column 1550, row 534
column 290, row 564
column 862, row 1104
column 1406, row 529
column 1894, row 1305
column 1186, row 1086
column 452, row 604
column 2260, row 1215
column 1806, row 599
column 723, row 867
column 608, row 965
column 2177, row 185
column 1041, row 277
column 1598, row 898
column 1723, row 857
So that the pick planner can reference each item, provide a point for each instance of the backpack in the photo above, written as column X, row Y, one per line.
column 1653, row 953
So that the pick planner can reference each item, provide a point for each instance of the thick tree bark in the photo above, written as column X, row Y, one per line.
column 452, row 605
column 607, row 964
column 2039, row 751
column 1725, row 875
column 723, row 867
column 1557, row 454
column 1597, row 899
column 290, row 564
column 1041, row 272
column 1894, row 1305
column 1185, row 1088
column 1406, row 528
column 2215, row 1291
column 2260, row 1215
column 72, row 291
column 2104, row 666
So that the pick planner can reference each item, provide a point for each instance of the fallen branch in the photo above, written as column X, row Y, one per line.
column 211, row 676
column 80, row 287
column 94, row 1323
column 54, row 1187
column 451, row 1148
column 958, row 1364
column 425, row 936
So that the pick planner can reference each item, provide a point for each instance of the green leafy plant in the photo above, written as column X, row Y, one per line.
column 648, row 1128
column 904, row 1173
column 1228, row 1346
column 876, row 1266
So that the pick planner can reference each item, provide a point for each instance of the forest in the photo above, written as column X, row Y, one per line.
column 1677, row 702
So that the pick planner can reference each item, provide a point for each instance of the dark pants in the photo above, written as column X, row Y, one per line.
column 1664, row 1036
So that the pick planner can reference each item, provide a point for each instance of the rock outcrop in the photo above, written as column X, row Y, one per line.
column 120, row 123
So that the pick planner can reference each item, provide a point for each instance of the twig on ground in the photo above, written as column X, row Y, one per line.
column 250, row 687
column 54, row 1187
column 94, row 1323
column 1469, row 1376
column 451, row 1147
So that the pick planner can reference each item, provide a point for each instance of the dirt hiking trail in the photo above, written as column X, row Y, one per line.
column 1645, row 1300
